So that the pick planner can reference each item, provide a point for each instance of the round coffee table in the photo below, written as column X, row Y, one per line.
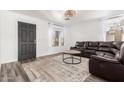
column 72, row 53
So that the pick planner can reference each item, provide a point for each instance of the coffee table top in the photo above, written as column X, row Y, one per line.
column 72, row 52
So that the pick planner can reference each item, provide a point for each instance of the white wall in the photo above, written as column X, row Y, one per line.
column 9, row 36
column 0, row 38
column 86, row 31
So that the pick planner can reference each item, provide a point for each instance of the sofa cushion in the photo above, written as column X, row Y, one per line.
column 97, row 58
column 105, row 49
column 86, row 44
column 90, row 51
column 92, row 48
column 109, row 55
column 114, row 50
column 100, row 53
column 117, row 44
column 105, row 44
column 93, row 44
column 79, row 44
column 121, row 58
column 117, row 56
column 83, row 44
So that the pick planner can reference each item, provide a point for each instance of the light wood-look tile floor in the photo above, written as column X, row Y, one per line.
column 47, row 69
column 13, row 72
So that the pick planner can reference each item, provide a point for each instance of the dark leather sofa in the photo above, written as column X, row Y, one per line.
column 106, row 58
column 89, row 48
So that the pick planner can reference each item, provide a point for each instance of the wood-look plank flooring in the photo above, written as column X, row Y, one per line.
column 47, row 69
column 92, row 78
column 53, row 69
column 13, row 72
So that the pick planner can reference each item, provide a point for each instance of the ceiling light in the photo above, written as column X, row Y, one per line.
column 69, row 14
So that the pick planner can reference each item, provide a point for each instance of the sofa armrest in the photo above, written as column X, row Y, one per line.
column 104, row 59
column 73, row 47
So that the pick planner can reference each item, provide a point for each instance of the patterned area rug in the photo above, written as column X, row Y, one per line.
column 53, row 69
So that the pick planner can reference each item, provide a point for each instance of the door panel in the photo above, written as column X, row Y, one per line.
column 24, row 35
column 26, row 41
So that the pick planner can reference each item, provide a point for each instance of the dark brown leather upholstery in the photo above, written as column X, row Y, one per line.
column 117, row 44
column 121, row 58
column 106, row 59
column 105, row 44
column 93, row 44
column 89, row 48
column 108, row 67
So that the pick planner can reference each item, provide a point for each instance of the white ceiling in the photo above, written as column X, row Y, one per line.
column 57, row 16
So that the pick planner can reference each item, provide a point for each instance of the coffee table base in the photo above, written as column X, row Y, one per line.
column 72, row 58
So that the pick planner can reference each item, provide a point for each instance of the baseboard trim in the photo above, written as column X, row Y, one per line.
column 50, row 55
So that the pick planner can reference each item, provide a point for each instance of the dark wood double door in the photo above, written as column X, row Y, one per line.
column 26, row 41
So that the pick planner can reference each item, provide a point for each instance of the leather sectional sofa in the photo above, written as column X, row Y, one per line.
column 106, row 58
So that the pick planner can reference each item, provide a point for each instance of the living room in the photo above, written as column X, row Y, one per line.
column 55, row 46
column 54, row 36
column 36, row 41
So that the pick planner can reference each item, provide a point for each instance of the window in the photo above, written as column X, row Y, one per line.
column 56, row 35
column 114, row 29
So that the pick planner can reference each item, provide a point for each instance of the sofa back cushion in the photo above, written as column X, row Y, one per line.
column 77, row 44
column 105, row 44
column 83, row 44
column 117, row 44
column 114, row 50
column 93, row 44
column 105, row 49
column 80, row 44
column 121, row 58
